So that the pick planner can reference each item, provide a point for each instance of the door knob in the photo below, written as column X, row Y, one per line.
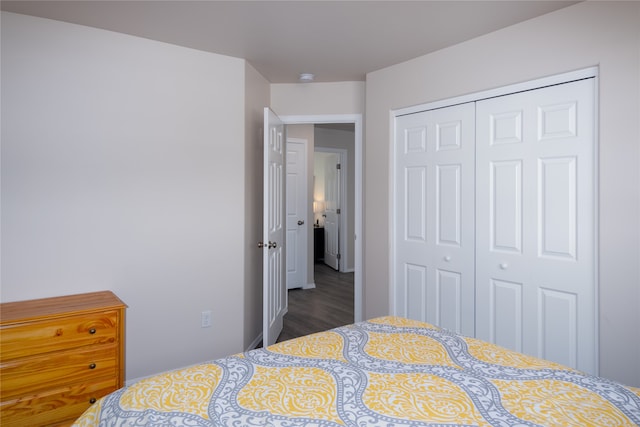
column 447, row 258
column 272, row 245
column 261, row 245
column 504, row 266
column 300, row 222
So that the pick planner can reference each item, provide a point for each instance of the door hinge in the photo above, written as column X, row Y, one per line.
column 338, row 211
column 338, row 256
column 337, row 165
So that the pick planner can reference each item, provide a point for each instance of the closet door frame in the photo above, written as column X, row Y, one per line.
column 556, row 79
column 591, row 72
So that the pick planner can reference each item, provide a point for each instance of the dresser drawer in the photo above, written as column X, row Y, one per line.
column 53, row 406
column 31, row 374
column 50, row 335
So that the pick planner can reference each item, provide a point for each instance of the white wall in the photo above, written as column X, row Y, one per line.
column 604, row 34
column 122, row 169
column 257, row 94
column 311, row 99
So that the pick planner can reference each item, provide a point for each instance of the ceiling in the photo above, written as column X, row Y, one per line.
column 335, row 40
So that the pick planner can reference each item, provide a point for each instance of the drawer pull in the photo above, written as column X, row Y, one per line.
column 92, row 366
column 92, row 331
column 92, row 400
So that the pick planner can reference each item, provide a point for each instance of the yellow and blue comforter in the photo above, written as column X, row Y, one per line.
column 385, row 372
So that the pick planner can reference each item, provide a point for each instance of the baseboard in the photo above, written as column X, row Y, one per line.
column 254, row 344
column 311, row 285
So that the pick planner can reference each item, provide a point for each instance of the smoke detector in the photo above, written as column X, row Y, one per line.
column 306, row 77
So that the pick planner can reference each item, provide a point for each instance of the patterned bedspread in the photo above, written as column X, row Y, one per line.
column 385, row 372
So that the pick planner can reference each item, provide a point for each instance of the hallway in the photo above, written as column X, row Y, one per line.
column 327, row 306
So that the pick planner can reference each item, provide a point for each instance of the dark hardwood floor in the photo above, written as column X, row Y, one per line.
column 327, row 306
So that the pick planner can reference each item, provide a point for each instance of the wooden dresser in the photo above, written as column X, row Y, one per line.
column 58, row 355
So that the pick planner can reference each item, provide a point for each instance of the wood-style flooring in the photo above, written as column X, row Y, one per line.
column 327, row 306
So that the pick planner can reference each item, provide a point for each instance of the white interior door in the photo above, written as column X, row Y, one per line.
column 274, row 286
column 535, row 223
column 297, row 213
column 332, row 210
column 434, row 217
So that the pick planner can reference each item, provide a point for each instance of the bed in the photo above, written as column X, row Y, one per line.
column 388, row 371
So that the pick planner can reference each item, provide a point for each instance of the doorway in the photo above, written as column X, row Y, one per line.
column 355, row 121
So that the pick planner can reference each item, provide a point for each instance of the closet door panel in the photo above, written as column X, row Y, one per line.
column 505, row 206
column 535, row 224
column 433, row 217
column 449, row 310
column 449, row 216
column 506, row 313
column 452, row 204
column 415, row 280
column 557, row 209
column 412, row 245
column 558, row 326
column 415, row 188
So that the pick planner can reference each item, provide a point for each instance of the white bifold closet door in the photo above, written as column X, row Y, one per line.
column 434, row 232
column 494, row 221
column 535, row 257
